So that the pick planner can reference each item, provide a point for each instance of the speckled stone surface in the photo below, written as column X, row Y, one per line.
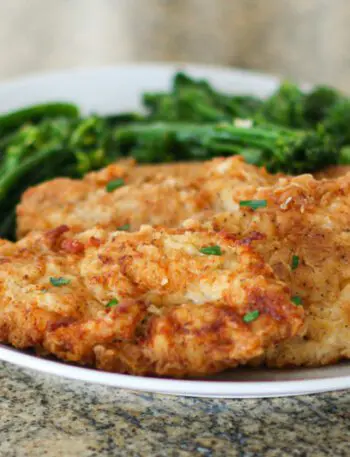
column 45, row 416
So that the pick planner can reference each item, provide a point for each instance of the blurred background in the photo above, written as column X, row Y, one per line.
column 304, row 40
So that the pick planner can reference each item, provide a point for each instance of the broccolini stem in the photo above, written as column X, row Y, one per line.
column 12, row 176
column 36, row 113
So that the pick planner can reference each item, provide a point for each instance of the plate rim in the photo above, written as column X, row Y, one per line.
column 67, row 71
column 188, row 387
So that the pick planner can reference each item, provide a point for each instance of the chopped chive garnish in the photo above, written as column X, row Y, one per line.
column 124, row 228
column 58, row 282
column 297, row 300
column 112, row 302
column 115, row 184
column 211, row 250
column 295, row 262
column 250, row 317
column 253, row 204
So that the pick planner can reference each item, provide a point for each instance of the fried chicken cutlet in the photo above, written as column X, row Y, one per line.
column 127, row 195
column 184, row 170
column 306, row 225
column 335, row 171
column 171, row 302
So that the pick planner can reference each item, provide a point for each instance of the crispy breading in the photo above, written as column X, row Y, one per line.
column 184, row 170
column 335, row 171
column 148, row 302
column 85, row 203
column 308, row 219
column 156, row 199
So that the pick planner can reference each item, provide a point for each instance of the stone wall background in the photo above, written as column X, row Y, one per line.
column 305, row 40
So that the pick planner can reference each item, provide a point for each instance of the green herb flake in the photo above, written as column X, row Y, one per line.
column 112, row 302
column 58, row 282
column 253, row 204
column 295, row 262
column 297, row 300
column 124, row 228
column 250, row 317
column 211, row 250
column 115, row 184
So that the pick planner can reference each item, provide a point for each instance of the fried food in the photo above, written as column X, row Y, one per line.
column 335, row 171
column 306, row 225
column 166, row 196
column 156, row 301
column 140, row 198
column 185, row 170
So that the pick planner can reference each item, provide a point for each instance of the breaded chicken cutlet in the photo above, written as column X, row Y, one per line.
column 335, row 171
column 306, row 226
column 184, row 170
column 171, row 302
column 127, row 195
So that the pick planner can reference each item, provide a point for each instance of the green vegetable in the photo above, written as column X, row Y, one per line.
column 337, row 122
column 196, row 101
column 115, row 184
column 8, row 224
column 34, row 114
column 295, row 262
column 58, row 282
column 115, row 120
column 297, row 300
column 32, row 139
column 318, row 102
column 277, row 148
column 211, row 250
column 112, row 302
column 252, row 316
column 285, row 107
column 253, row 204
column 344, row 155
column 124, row 228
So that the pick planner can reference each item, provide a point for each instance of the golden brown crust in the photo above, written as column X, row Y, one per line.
column 304, row 217
column 85, row 203
column 309, row 219
column 180, row 312
column 183, row 170
column 335, row 171
column 157, row 195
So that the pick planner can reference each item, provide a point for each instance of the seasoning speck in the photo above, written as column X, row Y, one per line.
column 297, row 300
column 124, row 228
column 58, row 282
column 250, row 317
column 295, row 262
column 253, row 204
column 114, row 184
column 112, row 302
column 211, row 250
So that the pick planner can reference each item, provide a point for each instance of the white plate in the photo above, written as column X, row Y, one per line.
column 112, row 89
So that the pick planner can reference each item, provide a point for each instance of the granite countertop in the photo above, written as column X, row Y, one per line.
column 46, row 416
